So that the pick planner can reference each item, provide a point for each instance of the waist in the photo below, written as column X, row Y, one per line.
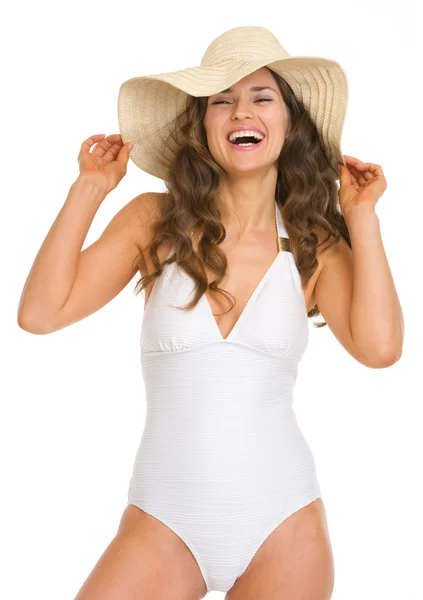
column 204, row 439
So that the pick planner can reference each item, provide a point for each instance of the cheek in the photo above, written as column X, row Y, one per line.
column 214, row 122
column 277, row 117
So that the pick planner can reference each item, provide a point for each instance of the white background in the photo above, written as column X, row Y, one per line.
column 73, row 404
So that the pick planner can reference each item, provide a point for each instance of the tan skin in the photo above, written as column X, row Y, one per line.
column 146, row 560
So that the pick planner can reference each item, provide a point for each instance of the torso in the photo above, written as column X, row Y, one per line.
column 220, row 422
column 248, row 260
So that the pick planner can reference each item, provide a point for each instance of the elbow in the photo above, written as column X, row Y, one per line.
column 26, row 325
column 392, row 358
column 385, row 359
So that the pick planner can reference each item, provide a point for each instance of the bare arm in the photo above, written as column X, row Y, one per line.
column 53, row 272
column 66, row 284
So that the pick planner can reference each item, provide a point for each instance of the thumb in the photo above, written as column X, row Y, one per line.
column 123, row 155
column 344, row 175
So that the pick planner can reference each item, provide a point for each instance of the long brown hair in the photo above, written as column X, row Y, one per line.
column 306, row 193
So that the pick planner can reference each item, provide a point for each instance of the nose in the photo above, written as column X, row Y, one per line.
column 241, row 108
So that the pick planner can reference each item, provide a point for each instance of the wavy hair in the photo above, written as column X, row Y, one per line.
column 306, row 193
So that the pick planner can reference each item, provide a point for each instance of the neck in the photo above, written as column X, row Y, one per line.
column 247, row 200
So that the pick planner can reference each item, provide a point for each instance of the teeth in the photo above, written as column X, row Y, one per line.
column 237, row 134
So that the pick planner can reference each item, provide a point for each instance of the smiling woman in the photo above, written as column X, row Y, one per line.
column 224, row 493
column 303, row 184
column 251, row 200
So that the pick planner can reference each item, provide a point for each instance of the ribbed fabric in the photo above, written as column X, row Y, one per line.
column 222, row 460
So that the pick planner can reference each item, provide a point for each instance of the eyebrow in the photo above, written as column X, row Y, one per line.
column 255, row 88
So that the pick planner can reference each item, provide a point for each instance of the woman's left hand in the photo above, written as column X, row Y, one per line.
column 361, row 185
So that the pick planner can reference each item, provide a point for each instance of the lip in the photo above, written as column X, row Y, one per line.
column 245, row 148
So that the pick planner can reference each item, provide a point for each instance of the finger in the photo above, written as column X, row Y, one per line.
column 86, row 145
column 354, row 181
column 354, row 176
column 110, row 153
column 363, row 168
column 346, row 176
column 111, row 144
column 354, row 162
column 359, row 177
column 351, row 159
column 377, row 174
column 371, row 171
column 114, row 138
column 123, row 155
column 368, row 166
column 359, row 167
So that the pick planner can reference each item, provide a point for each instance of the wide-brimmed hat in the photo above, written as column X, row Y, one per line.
column 148, row 106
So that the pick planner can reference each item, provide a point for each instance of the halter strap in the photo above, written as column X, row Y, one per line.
column 284, row 243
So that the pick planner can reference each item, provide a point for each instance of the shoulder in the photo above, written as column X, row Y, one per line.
column 334, row 277
column 326, row 252
column 142, row 212
column 145, row 207
column 325, row 247
column 328, row 248
column 331, row 250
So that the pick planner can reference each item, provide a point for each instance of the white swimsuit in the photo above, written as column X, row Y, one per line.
column 222, row 461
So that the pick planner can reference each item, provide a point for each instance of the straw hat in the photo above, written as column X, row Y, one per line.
column 149, row 105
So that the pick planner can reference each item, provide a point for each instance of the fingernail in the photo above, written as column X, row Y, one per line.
column 130, row 146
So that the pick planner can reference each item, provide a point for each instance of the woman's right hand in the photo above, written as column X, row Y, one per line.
column 107, row 163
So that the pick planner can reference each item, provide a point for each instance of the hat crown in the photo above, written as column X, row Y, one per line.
column 247, row 43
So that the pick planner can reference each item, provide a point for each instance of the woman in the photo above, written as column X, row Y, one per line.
column 224, row 493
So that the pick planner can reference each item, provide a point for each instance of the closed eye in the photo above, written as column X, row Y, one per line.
column 258, row 100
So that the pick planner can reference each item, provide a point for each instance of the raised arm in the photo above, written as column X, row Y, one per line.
column 66, row 284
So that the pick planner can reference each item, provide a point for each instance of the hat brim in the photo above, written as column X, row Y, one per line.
column 149, row 105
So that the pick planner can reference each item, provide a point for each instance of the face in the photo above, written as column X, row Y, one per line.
column 241, row 106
